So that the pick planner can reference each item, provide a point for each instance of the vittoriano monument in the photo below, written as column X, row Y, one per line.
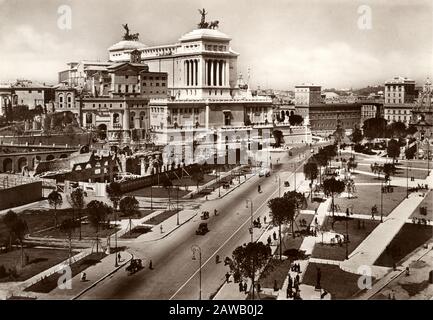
column 206, row 25
column 127, row 36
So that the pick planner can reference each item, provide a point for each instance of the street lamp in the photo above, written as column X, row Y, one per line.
column 381, row 201
column 248, row 200
column 278, row 179
column 347, row 234
column 197, row 250
column 177, row 205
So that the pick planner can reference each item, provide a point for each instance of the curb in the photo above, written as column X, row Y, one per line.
column 165, row 234
column 103, row 278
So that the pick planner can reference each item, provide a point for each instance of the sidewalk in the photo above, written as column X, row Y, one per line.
column 95, row 274
column 372, row 247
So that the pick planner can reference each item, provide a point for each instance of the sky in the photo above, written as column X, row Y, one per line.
column 282, row 42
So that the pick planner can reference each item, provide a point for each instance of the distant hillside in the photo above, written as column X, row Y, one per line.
column 366, row 91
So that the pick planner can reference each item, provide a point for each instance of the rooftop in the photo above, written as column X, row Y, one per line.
column 204, row 34
column 127, row 45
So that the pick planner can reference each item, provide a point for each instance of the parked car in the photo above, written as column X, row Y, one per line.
column 202, row 229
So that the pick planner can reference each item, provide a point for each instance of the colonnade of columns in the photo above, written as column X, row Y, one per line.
column 216, row 72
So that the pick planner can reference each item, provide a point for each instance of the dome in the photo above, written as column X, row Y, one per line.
column 211, row 34
column 126, row 45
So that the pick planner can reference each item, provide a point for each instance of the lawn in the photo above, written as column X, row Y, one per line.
column 161, row 217
column 368, row 195
column 157, row 192
column 411, row 172
column 37, row 220
column 340, row 284
column 141, row 214
column 410, row 237
column 427, row 202
column 366, row 178
column 417, row 163
column 356, row 236
column 187, row 181
column 38, row 260
column 275, row 270
column 136, row 232
column 87, row 231
column 50, row 283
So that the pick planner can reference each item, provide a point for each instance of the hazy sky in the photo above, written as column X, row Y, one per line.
column 284, row 42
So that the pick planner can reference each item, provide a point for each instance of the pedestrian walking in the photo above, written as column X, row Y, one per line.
column 150, row 265
column 83, row 276
column 269, row 240
column 259, row 287
column 241, row 286
column 274, row 235
column 245, row 287
column 227, row 277
column 264, row 219
column 215, row 212
column 160, row 227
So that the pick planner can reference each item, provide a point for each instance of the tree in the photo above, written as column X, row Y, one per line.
column 114, row 192
column 77, row 203
column 339, row 134
column 97, row 213
column 249, row 258
column 397, row 129
column 129, row 207
column 295, row 119
column 279, row 138
column 357, row 135
column 374, row 128
column 389, row 170
column 393, row 149
column 67, row 226
column 167, row 184
column 351, row 164
column 17, row 228
column 377, row 169
column 197, row 176
column 310, row 170
column 55, row 200
column 299, row 201
column 9, row 219
column 333, row 188
column 411, row 130
column 282, row 211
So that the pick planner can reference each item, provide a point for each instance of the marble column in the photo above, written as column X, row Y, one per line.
column 211, row 72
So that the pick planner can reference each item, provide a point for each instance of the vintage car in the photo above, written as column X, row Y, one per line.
column 134, row 266
column 202, row 229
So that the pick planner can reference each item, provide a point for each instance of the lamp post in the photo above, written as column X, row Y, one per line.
column 347, row 235
column 381, row 201
column 197, row 250
column 278, row 179
column 219, row 183
column 248, row 200
column 115, row 239
column 177, row 205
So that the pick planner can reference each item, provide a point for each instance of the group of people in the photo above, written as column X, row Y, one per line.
column 423, row 221
column 293, row 284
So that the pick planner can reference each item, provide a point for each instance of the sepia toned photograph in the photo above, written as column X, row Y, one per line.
column 218, row 150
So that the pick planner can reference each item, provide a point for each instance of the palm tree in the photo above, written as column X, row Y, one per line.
column 282, row 211
column 129, row 207
column 55, row 200
column 98, row 212
column 77, row 203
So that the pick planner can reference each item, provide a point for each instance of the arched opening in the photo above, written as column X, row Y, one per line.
column 22, row 162
column 7, row 165
column 49, row 157
column 102, row 131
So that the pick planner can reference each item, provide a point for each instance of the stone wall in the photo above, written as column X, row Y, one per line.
column 20, row 195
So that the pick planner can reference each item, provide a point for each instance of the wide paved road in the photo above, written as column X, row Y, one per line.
column 175, row 274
